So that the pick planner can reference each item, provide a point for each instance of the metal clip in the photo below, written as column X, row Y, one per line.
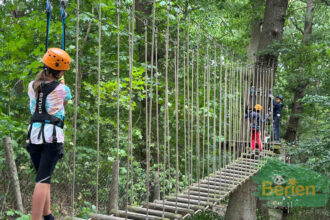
column 145, row 22
column 63, row 9
column 49, row 6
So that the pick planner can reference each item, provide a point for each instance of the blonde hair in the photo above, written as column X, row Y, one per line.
column 43, row 76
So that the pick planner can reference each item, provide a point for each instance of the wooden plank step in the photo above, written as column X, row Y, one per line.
column 216, row 182
column 248, row 161
column 199, row 198
column 169, row 208
column 94, row 216
column 248, row 165
column 222, row 180
column 229, row 170
column 241, row 168
column 213, row 184
column 180, row 204
column 225, row 173
column 154, row 212
column 186, row 200
column 133, row 215
column 227, row 176
column 208, row 190
column 205, row 194
column 218, row 188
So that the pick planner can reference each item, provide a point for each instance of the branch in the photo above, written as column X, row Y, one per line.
column 86, row 36
column 295, row 23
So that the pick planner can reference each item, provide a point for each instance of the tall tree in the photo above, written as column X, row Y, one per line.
column 302, row 82
column 272, row 32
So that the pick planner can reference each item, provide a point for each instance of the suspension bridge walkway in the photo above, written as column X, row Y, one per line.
column 206, row 194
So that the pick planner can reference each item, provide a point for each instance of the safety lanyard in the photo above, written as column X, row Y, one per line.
column 49, row 8
column 64, row 15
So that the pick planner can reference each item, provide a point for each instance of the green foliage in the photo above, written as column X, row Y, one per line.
column 207, row 215
column 10, row 214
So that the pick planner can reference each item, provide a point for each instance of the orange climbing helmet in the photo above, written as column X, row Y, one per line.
column 258, row 107
column 57, row 59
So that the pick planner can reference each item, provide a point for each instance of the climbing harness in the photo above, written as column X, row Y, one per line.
column 41, row 115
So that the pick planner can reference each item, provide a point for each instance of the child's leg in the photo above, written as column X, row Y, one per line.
column 259, row 141
column 253, row 140
column 46, row 210
column 40, row 193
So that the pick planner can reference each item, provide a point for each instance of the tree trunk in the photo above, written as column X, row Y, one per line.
column 13, row 173
column 272, row 31
column 256, row 32
column 156, row 189
column 113, row 193
column 252, row 50
column 302, row 84
column 242, row 203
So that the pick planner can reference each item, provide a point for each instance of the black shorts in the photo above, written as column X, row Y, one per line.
column 44, row 158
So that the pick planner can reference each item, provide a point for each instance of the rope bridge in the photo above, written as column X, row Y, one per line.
column 205, row 147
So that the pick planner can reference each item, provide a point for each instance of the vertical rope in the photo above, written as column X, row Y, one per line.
column 230, row 108
column 188, row 108
column 237, row 115
column 176, row 128
column 225, row 116
column 129, row 119
column 184, row 116
column 157, row 106
column 214, row 112
column 191, row 120
column 208, row 117
column 131, row 94
column 118, row 98
column 146, row 109
column 241, row 97
column 204, row 118
column 192, row 116
column 220, row 110
column 272, row 105
column 98, row 109
column 177, row 59
column 166, row 141
column 214, row 109
column 197, row 120
column 151, row 87
column 129, row 146
column 75, row 110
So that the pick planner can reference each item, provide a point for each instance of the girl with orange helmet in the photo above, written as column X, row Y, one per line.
column 45, row 135
column 255, row 118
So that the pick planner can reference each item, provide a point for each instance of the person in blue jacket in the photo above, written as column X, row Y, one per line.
column 277, row 109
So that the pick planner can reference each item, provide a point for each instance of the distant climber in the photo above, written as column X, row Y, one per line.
column 277, row 109
column 255, row 118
